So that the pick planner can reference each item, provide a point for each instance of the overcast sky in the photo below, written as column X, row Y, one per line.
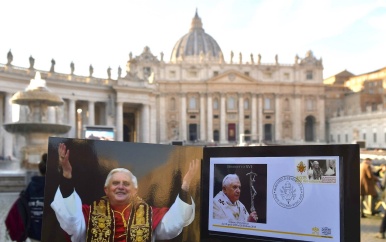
column 346, row 34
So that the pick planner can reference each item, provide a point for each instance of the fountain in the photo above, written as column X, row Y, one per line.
column 36, row 126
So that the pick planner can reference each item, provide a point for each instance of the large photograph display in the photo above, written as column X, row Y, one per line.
column 303, row 193
column 266, row 193
column 159, row 170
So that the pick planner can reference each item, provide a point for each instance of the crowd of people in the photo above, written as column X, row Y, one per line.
column 372, row 184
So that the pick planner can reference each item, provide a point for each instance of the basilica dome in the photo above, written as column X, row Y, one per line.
column 196, row 45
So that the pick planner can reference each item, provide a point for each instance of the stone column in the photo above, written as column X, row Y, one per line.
column 322, row 125
column 222, row 120
column 153, row 124
column 241, row 115
column 119, row 121
column 254, row 112
column 162, row 118
column 8, row 137
column 72, row 118
column 278, row 121
column 182, row 127
column 210, row 118
column 145, row 123
column 110, row 111
column 260, row 117
column 202, row 117
column 51, row 115
column 91, row 113
column 297, row 120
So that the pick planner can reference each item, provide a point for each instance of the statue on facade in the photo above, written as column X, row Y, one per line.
column 119, row 71
column 296, row 59
column 31, row 62
column 259, row 59
column 276, row 59
column 91, row 69
column 252, row 60
column 72, row 66
column 130, row 56
column 109, row 72
column 52, row 69
column 162, row 56
column 9, row 57
column 232, row 57
column 240, row 58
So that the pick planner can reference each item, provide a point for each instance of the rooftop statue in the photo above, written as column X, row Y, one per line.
column 109, row 72
column 9, row 57
column 72, row 66
column 31, row 62
column 91, row 69
column 119, row 71
column 52, row 69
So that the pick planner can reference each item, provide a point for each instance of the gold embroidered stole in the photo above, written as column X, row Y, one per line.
column 101, row 223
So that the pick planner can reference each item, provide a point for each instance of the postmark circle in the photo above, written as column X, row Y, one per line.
column 288, row 192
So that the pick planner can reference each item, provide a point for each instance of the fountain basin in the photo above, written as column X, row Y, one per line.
column 47, row 128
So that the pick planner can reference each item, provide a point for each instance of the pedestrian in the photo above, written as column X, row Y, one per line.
column 35, row 198
column 382, row 228
column 367, row 184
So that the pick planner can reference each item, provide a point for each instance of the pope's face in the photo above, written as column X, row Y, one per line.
column 233, row 190
column 119, row 189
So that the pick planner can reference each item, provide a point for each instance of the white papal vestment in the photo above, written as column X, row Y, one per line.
column 69, row 214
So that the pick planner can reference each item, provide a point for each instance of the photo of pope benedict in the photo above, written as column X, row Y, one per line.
column 120, row 215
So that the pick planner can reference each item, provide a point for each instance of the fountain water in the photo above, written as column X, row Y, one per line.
column 36, row 127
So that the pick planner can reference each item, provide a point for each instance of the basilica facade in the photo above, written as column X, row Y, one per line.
column 195, row 97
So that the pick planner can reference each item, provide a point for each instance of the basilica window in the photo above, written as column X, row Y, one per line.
column 192, row 103
column 286, row 76
column 384, row 137
column 172, row 74
column 246, row 104
column 192, row 73
column 215, row 73
column 268, row 75
column 146, row 71
column 286, row 105
column 215, row 104
column 231, row 103
column 267, row 103
column 309, row 75
column 310, row 104
column 172, row 105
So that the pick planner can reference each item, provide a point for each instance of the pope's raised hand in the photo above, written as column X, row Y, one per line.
column 64, row 160
column 193, row 168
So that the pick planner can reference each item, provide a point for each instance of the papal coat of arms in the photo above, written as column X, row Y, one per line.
column 301, row 167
